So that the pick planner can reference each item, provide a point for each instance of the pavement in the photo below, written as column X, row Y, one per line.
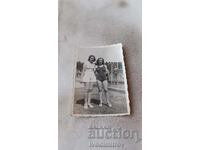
column 117, row 99
column 117, row 87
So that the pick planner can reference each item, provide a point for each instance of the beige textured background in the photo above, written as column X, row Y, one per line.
column 93, row 23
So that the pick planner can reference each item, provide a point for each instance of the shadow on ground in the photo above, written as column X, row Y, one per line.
column 118, row 100
column 82, row 101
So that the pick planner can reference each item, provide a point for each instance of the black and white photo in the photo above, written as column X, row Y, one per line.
column 100, row 85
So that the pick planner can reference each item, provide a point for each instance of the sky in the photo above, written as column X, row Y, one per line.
column 112, row 53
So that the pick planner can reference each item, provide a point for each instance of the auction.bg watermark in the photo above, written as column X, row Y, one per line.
column 98, row 136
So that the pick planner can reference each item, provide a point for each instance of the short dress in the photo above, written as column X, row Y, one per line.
column 89, row 75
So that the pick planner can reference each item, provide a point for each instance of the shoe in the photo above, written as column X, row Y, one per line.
column 85, row 106
column 100, row 105
column 109, row 104
column 90, row 105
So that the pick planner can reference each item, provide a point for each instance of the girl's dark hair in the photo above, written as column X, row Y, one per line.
column 90, row 57
column 99, row 60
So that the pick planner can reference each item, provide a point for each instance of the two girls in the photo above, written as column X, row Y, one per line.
column 95, row 73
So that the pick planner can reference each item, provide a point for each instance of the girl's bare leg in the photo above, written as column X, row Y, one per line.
column 107, row 99
column 89, row 100
column 89, row 95
column 100, row 97
column 86, row 96
column 105, row 86
column 99, row 83
column 86, row 101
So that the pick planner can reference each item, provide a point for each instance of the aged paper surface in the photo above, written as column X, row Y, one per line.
column 93, row 23
column 100, row 83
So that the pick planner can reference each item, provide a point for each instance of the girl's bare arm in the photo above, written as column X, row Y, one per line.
column 83, row 72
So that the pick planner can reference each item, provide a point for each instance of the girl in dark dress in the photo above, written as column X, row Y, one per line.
column 101, row 72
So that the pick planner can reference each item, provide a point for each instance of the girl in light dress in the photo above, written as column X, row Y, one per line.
column 89, row 78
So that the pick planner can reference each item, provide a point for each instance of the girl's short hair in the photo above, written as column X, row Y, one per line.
column 90, row 57
column 99, row 60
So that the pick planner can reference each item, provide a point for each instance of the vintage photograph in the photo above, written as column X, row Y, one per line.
column 100, row 84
